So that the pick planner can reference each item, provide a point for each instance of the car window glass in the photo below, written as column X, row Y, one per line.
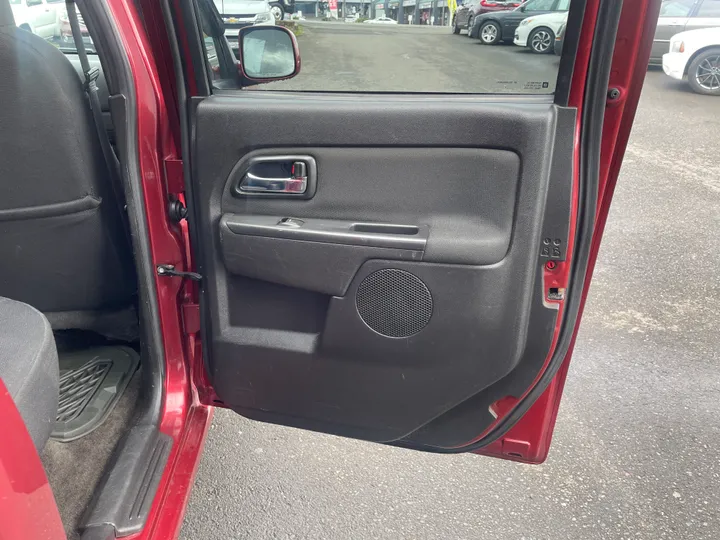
column 399, row 46
column 211, row 53
column 539, row 5
column 709, row 8
column 52, row 24
column 676, row 8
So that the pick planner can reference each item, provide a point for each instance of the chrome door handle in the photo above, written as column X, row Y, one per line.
column 252, row 183
column 291, row 176
column 297, row 183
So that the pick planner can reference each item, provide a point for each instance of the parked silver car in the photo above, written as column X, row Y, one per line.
column 679, row 15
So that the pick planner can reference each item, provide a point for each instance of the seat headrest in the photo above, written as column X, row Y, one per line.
column 6, row 14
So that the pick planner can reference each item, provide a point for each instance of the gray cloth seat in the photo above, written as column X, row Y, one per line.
column 29, row 367
column 63, row 243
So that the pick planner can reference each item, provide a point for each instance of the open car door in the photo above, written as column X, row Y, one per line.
column 400, row 267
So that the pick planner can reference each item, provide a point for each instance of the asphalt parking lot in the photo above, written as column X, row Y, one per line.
column 372, row 57
column 636, row 452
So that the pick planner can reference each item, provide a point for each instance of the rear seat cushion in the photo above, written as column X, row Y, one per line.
column 29, row 366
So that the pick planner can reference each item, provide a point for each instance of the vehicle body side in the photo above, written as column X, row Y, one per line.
column 676, row 62
column 38, row 16
column 467, row 12
column 508, row 21
column 237, row 14
column 560, row 40
column 551, row 21
column 677, row 16
column 381, row 20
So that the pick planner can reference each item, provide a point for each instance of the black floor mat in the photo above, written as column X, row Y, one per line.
column 75, row 469
column 91, row 382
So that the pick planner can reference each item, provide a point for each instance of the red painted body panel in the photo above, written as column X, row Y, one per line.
column 183, row 417
column 27, row 504
column 488, row 6
column 632, row 50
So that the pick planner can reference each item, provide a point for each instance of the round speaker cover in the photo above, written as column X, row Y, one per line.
column 394, row 303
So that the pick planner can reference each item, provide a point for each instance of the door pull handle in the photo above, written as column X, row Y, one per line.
column 297, row 183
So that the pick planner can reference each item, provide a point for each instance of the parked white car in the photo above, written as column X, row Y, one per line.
column 538, row 32
column 237, row 14
column 36, row 16
column 695, row 53
column 381, row 20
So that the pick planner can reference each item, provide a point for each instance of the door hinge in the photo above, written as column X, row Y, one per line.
column 174, row 175
column 191, row 318
column 168, row 270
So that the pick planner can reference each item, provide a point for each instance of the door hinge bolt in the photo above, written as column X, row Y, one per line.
column 168, row 270
column 613, row 94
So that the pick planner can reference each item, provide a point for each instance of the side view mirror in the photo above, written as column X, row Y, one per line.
column 267, row 53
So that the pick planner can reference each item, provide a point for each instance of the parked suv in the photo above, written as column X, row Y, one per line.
column 237, row 14
column 493, row 28
column 466, row 13
column 36, row 16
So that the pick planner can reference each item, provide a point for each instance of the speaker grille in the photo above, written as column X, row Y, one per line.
column 394, row 303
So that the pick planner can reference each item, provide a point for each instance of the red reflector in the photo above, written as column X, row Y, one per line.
column 295, row 185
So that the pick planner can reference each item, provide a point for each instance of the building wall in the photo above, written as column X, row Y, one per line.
column 389, row 8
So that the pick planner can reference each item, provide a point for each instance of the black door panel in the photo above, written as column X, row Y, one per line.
column 406, row 295
column 466, row 196
column 324, row 267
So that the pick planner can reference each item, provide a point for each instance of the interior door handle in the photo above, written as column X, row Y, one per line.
column 297, row 183
column 277, row 176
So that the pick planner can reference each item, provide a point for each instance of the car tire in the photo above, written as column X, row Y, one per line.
column 455, row 27
column 490, row 33
column 704, row 73
column 541, row 40
column 277, row 11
